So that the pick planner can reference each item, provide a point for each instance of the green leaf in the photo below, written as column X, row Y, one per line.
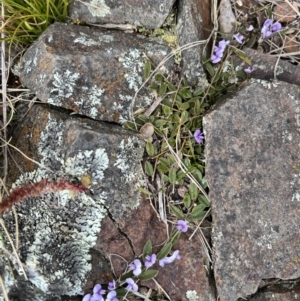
column 148, row 274
column 165, row 161
column 154, row 86
column 160, row 122
column 184, row 116
column 172, row 175
column 150, row 149
column 147, row 250
column 171, row 87
column 162, row 89
column 197, row 175
column 165, row 178
column 185, row 92
column 122, row 292
column 162, row 168
column 251, row 41
column 241, row 73
column 175, row 237
column 147, row 69
column 127, row 275
column 193, row 191
column 203, row 200
column 197, row 217
column 165, row 250
column 198, row 91
column 198, row 209
column 242, row 55
column 187, row 201
column 159, row 78
column 209, row 68
column 184, row 106
column 176, row 211
column 144, row 191
column 167, row 110
column 149, row 168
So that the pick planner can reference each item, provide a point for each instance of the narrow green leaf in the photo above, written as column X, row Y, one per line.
column 242, row 55
column 147, row 69
column 162, row 168
column 172, row 175
column 171, row 87
column 198, row 91
column 150, row 149
column 122, row 292
column 147, row 250
column 197, row 175
column 184, row 116
column 160, row 122
column 193, row 191
column 197, row 217
column 203, row 200
column 209, row 68
column 198, row 209
column 154, row 86
column 176, row 211
column 159, row 78
column 148, row 274
column 144, row 191
column 149, row 168
column 187, row 201
column 127, row 275
column 175, row 237
column 162, row 89
column 185, row 92
column 165, row 250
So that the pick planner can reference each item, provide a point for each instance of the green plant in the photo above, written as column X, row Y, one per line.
column 25, row 20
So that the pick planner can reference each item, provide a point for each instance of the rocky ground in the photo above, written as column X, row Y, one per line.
column 89, row 78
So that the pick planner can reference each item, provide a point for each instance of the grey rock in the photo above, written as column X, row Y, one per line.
column 150, row 13
column 253, row 171
column 59, row 228
column 193, row 25
column 91, row 71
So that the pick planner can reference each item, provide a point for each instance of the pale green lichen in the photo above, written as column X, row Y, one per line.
column 98, row 8
column 192, row 296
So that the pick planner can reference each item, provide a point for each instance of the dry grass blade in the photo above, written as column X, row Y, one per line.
column 3, row 289
column 160, row 288
column 13, row 247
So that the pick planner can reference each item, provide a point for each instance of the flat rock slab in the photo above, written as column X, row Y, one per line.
column 150, row 13
column 193, row 24
column 59, row 228
column 253, row 170
column 90, row 71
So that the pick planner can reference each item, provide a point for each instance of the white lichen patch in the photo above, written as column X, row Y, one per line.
column 192, row 296
column 127, row 158
column 86, row 41
column 133, row 63
column 98, row 8
column 93, row 163
column 266, row 84
column 64, row 84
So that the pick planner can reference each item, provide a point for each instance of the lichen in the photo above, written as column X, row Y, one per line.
column 98, row 8
column 192, row 296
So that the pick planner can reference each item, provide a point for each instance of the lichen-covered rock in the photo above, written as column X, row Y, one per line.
column 193, row 25
column 253, row 170
column 58, row 229
column 150, row 13
column 93, row 72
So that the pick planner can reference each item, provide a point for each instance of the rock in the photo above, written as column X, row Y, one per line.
column 226, row 19
column 253, row 171
column 60, row 228
column 90, row 71
column 286, row 12
column 194, row 24
column 264, row 65
column 150, row 14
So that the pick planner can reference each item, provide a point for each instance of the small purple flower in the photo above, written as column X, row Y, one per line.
column 250, row 28
column 97, row 297
column 136, row 267
column 239, row 38
column 87, row 297
column 219, row 51
column 182, row 226
column 169, row 259
column 111, row 296
column 199, row 136
column 265, row 32
column 112, row 285
column 276, row 26
column 150, row 260
column 132, row 286
column 98, row 289
column 268, row 23
column 249, row 69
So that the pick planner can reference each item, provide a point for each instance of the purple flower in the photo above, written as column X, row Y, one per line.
column 97, row 297
column 276, row 26
column 249, row 69
column 199, row 136
column 219, row 51
column 132, row 286
column 239, row 37
column 136, row 266
column 98, row 290
column 150, row 260
column 169, row 259
column 111, row 296
column 270, row 27
column 87, row 297
column 182, row 226
column 250, row 28
column 112, row 285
